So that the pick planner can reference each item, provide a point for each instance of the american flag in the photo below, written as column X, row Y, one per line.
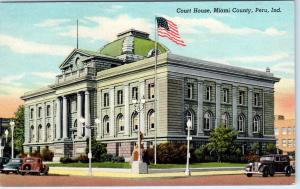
column 167, row 28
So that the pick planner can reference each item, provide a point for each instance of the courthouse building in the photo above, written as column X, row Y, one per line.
column 101, row 84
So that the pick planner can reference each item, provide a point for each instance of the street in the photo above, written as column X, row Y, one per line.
column 65, row 180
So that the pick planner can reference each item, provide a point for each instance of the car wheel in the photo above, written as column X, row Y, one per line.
column 249, row 174
column 288, row 172
column 272, row 172
column 27, row 167
column 265, row 173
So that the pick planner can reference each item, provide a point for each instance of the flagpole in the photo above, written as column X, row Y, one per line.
column 77, row 35
column 156, row 95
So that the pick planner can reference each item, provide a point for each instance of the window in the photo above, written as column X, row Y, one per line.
column 32, row 133
column 48, row 110
column 241, row 123
column 188, row 116
column 241, row 97
column 283, row 130
column 208, row 93
column 120, row 97
column 134, row 121
column 40, row 112
column 77, row 61
column 276, row 131
column 277, row 142
column 134, row 93
column 226, row 95
column 106, row 99
column 151, row 91
column 190, row 90
column 208, row 120
column 256, row 99
column 289, row 131
column 106, row 124
column 256, row 124
column 120, row 122
column 39, row 137
column 290, row 142
column 151, row 119
column 48, row 132
column 225, row 120
column 283, row 142
column 31, row 113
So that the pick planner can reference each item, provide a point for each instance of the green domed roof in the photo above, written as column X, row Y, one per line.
column 131, row 42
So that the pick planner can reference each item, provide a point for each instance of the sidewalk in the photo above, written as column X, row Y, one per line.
column 153, row 173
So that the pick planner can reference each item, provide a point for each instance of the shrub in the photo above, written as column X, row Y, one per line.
column 97, row 149
column 106, row 157
column 171, row 153
column 117, row 159
column 47, row 155
column 22, row 155
column 250, row 158
column 199, row 154
column 83, row 159
column 36, row 154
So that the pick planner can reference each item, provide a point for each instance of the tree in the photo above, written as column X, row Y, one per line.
column 221, row 140
column 97, row 149
column 19, row 129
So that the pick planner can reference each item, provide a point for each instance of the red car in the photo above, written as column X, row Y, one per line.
column 33, row 165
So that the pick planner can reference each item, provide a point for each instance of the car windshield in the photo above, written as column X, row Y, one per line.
column 266, row 158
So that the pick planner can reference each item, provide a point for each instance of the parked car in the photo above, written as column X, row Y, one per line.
column 33, row 165
column 12, row 166
column 3, row 160
column 269, row 165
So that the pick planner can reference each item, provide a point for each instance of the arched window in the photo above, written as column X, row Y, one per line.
column 241, row 123
column 74, row 132
column 39, row 133
column 256, row 124
column 77, row 61
column 188, row 116
column 106, row 124
column 48, row 132
column 32, row 133
column 151, row 119
column 135, row 121
column 120, row 122
column 225, row 119
column 208, row 121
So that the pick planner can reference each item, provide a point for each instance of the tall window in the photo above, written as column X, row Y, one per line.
column 241, row 97
column 31, row 113
column 208, row 120
column 151, row 91
column 39, row 133
column 256, row 124
column 135, row 121
column 225, row 120
column 134, row 93
column 32, row 133
column 120, row 122
column 106, row 99
column 190, row 90
column 106, row 124
column 120, row 97
column 290, row 142
column 151, row 119
column 48, row 110
column 256, row 99
column 283, row 130
column 48, row 132
column 284, row 142
column 40, row 112
column 241, row 123
column 208, row 93
column 276, row 131
column 226, row 95
column 289, row 131
column 188, row 116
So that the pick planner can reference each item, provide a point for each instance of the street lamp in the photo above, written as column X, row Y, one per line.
column 187, row 170
column 82, row 121
column 6, row 135
column 0, row 146
column 12, row 126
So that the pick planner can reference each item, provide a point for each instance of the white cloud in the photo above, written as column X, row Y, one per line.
column 52, row 22
column 11, row 79
column 107, row 28
column 190, row 26
column 284, row 67
column 22, row 46
column 9, row 90
column 46, row 75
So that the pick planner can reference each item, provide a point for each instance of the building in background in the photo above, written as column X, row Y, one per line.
column 285, row 132
column 102, row 84
column 4, row 125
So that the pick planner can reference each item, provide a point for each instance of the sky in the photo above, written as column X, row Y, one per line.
column 35, row 38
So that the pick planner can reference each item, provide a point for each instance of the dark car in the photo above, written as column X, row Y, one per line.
column 12, row 166
column 3, row 160
column 33, row 165
column 269, row 165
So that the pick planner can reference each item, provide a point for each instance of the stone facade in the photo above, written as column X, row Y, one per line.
column 102, row 87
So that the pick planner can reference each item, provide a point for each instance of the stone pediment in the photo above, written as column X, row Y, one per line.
column 75, row 60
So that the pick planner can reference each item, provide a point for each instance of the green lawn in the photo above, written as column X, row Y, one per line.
column 158, row 166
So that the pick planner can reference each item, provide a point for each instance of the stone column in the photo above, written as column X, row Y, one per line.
column 53, row 121
column 65, row 117
column 87, row 115
column 99, row 114
column 35, row 123
column 58, row 118
column 200, row 109
column 127, row 111
column 234, row 107
column 79, row 115
column 142, row 113
column 250, row 96
column 44, row 122
column 112, row 112
column 218, row 104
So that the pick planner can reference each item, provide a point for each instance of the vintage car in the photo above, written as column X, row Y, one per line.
column 3, row 160
column 33, row 165
column 269, row 165
column 12, row 166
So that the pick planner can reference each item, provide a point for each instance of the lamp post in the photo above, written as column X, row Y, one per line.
column 187, row 170
column 6, row 135
column 12, row 126
column 0, row 146
column 82, row 121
